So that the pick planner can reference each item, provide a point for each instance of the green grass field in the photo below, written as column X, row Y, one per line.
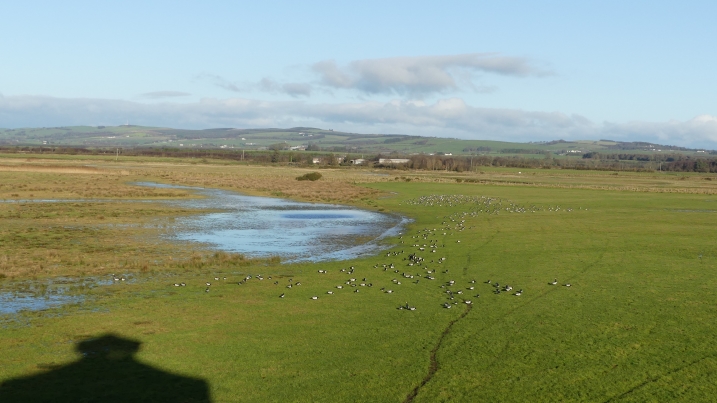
column 636, row 324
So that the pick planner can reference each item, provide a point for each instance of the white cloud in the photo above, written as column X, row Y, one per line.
column 264, row 85
column 411, row 77
column 423, row 74
column 297, row 89
column 292, row 89
column 220, row 82
column 163, row 94
column 446, row 117
column 700, row 131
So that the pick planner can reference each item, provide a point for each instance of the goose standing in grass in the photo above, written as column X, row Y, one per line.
column 314, row 297
column 567, row 284
column 282, row 295
column 554, row 282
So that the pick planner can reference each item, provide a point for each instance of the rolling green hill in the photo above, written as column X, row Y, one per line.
column 312, row 138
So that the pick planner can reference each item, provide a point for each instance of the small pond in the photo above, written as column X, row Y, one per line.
column 255, row 226
column 295, row 231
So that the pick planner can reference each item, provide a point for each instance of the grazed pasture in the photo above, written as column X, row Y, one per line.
column 635, row 324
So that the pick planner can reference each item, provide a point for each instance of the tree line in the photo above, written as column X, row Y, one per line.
column 589, row 161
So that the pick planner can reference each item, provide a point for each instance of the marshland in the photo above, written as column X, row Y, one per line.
column 507, row 284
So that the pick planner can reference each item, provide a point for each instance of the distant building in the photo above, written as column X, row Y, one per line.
column 357, row 161
column 393, row 160
column 316, row 160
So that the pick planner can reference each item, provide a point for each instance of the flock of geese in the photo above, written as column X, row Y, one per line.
column 414, row 269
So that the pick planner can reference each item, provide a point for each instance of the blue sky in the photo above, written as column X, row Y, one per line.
column 514, row 70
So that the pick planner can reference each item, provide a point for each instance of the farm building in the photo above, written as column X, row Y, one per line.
column 393, row 160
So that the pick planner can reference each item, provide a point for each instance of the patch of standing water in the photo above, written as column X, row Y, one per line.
column 13, row 302
column 295, row 231
column 39, row 295
column 256, row 226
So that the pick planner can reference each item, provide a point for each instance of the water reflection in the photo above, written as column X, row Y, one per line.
column 256, row 226
column 39, row 295
column 263, row 226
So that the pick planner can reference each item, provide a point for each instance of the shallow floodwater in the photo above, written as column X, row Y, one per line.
column 295, row 231
column 255, row 226
column 37, row 295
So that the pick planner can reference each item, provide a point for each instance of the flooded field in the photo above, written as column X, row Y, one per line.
column 295, row 231
column 254, row 226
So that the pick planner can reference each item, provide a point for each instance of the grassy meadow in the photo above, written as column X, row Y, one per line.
column 635, row 324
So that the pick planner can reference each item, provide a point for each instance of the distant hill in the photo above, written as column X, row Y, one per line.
column 314, row 139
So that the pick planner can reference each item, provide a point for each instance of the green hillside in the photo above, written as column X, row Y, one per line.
column 312, row 138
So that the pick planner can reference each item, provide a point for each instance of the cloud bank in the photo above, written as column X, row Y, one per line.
column 163, row 94
column 450, row 117
column 413, row 77
column 420, row 75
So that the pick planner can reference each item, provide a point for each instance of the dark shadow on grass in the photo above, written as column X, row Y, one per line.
column 107, row 372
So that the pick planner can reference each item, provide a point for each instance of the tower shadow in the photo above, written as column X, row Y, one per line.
column 106, row 372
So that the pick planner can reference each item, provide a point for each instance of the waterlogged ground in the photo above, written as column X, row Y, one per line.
column 636, row 323
column 255, row 226
column 295, row 231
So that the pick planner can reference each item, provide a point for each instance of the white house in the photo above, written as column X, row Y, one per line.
column 393, row 160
